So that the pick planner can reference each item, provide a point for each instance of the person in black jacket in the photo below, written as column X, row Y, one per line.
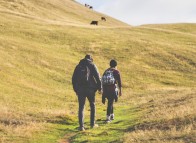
column 86, row 81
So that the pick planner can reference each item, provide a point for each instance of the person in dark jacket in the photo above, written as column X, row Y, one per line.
column 86, row 90
column 111, row 91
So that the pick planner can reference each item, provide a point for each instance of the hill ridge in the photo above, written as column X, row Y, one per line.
column 169, row 31
column 37, row 59
column 63, row 12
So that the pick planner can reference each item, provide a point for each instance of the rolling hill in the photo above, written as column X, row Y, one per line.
column 42, row 41
column 64, row 12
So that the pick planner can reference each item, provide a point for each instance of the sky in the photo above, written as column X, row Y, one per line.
column 139, row 12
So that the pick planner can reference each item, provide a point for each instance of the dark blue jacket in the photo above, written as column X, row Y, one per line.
column 94, row 78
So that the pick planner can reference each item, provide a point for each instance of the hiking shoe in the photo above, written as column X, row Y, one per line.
column 81, row 129
column 112, row 117
column 108, row 121
column 94, row 126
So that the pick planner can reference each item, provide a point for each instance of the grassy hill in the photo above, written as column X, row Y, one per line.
column 57, row 12
column 42, row 41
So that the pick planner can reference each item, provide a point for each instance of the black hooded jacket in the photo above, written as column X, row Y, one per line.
column 94, row 78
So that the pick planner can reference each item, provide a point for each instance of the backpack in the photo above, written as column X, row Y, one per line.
column 83, row 74
column 108, row 78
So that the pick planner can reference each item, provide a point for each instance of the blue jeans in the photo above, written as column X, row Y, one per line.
column 82, row 95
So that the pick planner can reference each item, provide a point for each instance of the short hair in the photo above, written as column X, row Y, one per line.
column 113, row 63
column 89, row 57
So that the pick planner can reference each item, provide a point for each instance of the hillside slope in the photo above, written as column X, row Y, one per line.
column 61, row 12
column 40, row 45
column 186, row 28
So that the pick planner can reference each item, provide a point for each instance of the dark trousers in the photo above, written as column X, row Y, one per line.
column 111, row 93
column 90, row 95
column 110, row 107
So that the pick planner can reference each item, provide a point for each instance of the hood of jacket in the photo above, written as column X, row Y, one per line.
column 85, row 62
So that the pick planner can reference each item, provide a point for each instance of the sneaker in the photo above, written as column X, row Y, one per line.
column 112, row 117
column 94, row 126
column 81, row 129
column 108, row 119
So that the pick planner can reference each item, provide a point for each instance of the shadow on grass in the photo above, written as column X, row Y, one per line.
column 63, row 120
column 12, row 122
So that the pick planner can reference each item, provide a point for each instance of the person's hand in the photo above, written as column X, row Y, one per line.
column 100, row 91
column 120, row 93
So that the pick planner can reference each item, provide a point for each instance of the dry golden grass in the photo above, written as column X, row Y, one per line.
column 64, row 12
column 41, row 42
column 169, row 116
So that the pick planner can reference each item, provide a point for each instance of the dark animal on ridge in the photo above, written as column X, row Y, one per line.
column 86, row 5
column 103, row 18
column 94, row 23
column 90, row 7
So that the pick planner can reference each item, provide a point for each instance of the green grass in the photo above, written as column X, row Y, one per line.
column 39, row 51
column 61, row 128
column 111, row 132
